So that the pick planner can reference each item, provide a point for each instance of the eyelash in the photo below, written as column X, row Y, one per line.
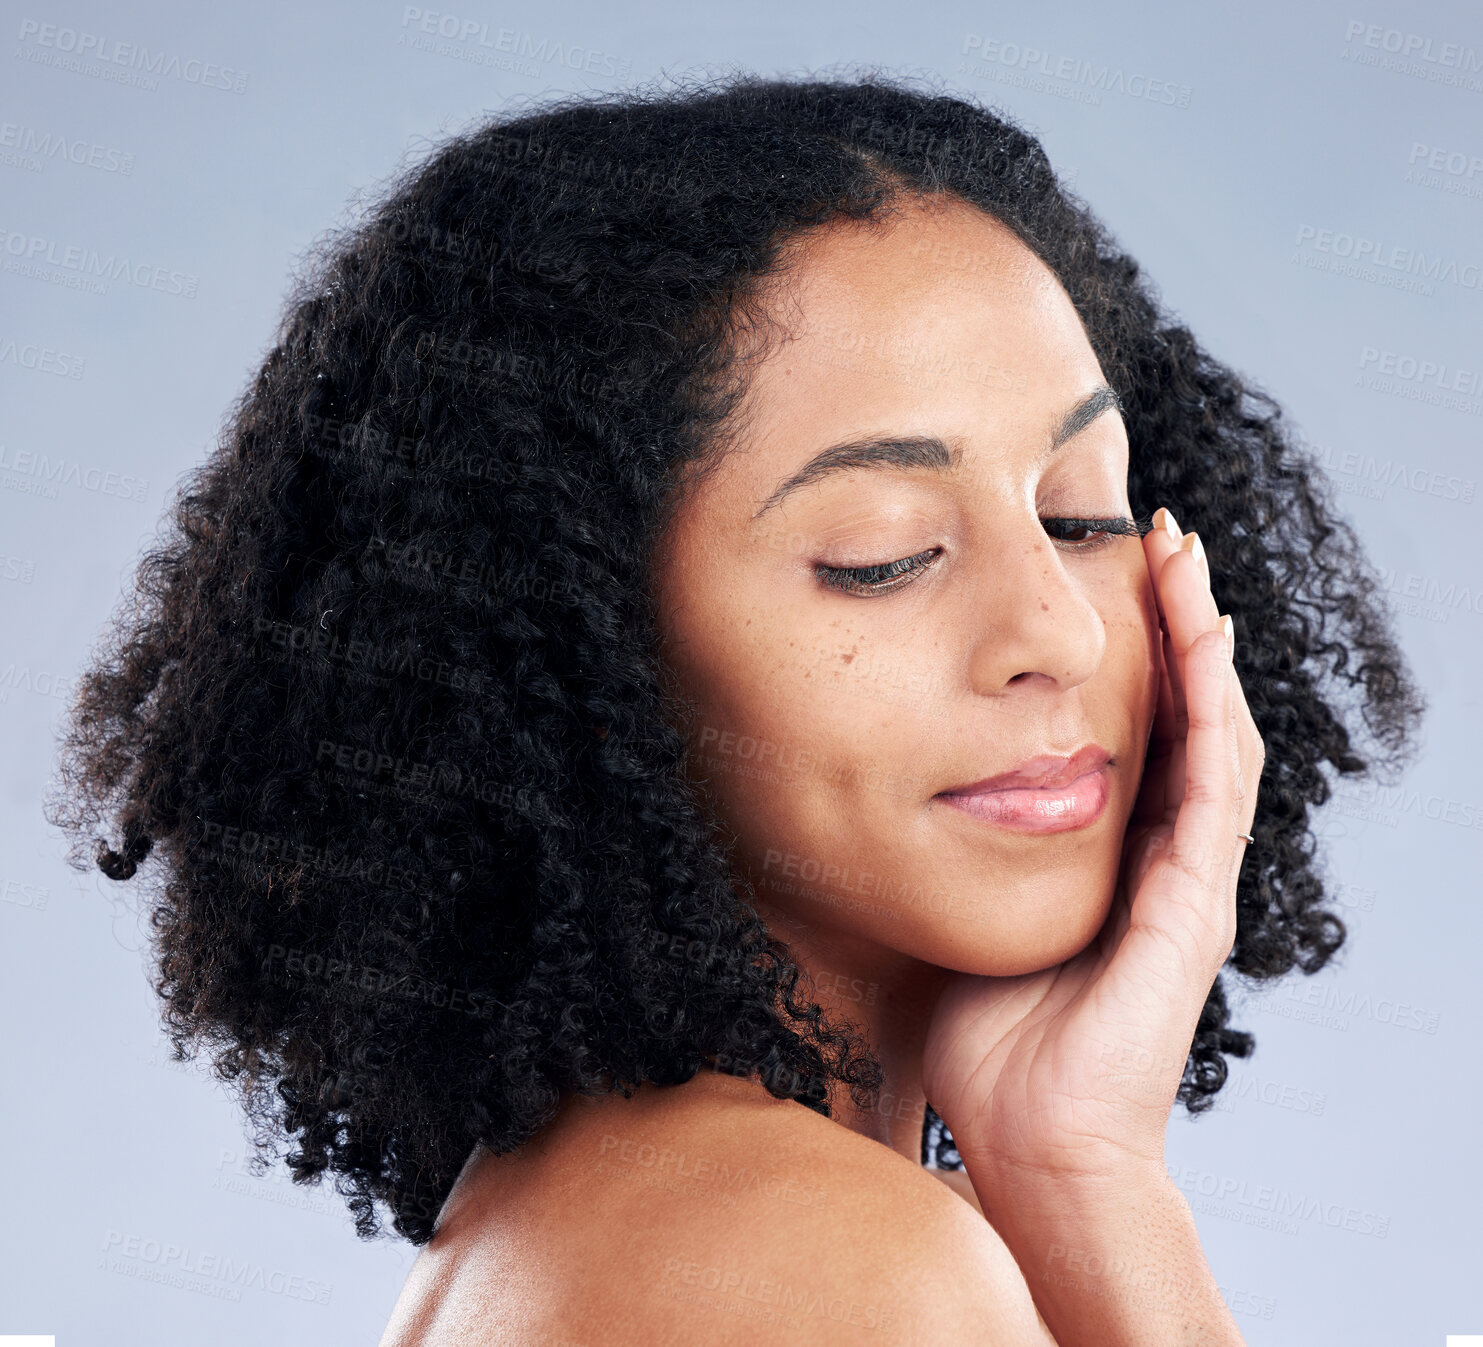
column 865, row 580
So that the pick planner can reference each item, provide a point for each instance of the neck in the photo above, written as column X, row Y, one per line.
column 887, row 995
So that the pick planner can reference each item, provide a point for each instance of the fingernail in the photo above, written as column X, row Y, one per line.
column 1163, row 518
column 1229, row 627
column 1191, row 543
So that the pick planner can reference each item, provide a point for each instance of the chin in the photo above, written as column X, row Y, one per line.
column 1051, row 932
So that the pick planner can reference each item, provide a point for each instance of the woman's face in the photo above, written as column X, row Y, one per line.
column 832, row 717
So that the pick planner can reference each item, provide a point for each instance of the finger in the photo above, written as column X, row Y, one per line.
column 1189, row 611
column 1174, row 766
column 1150, row 807
column 1183, row 920
column 1184, row 594
column 1185, row 608
column 1188, row 896
column 1205, row 842
column 1249, row 754
column 1251, row 750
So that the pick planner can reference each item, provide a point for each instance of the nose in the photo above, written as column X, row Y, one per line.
column 1033, row 624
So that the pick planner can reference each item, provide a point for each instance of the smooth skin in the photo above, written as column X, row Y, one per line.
column 1042, row 990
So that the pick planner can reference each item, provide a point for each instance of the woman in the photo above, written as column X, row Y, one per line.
column 699, row 680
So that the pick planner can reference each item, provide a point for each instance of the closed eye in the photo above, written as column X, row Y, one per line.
column 880, row 579
column 1101, row 531
column 892, row 575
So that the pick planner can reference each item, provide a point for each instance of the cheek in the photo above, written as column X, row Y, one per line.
column 1151, row 648
column 812, row 735
column 1135, row 650
column 783, row 707
column 806, row 739
column 747, row 679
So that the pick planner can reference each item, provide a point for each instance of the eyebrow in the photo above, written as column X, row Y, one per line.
column 928, row 451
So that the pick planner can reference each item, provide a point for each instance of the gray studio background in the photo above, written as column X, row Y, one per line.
column 1245, row 155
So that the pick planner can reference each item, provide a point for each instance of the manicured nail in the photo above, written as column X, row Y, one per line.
column 1191, row 543
column 1163, row 518
column 1229, row 627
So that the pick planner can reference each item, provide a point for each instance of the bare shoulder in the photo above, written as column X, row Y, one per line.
column 711, row 1215
column 906, row 1249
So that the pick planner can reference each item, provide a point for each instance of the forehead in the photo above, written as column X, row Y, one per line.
column 936, row 320
column 936, row 277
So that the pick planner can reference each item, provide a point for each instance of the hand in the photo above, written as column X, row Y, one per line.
column 1071, row 1072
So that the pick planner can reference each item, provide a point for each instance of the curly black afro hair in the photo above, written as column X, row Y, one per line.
column 385, row 702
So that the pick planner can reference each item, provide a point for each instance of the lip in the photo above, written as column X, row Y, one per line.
column 1049, row 793
column 1047, row 771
